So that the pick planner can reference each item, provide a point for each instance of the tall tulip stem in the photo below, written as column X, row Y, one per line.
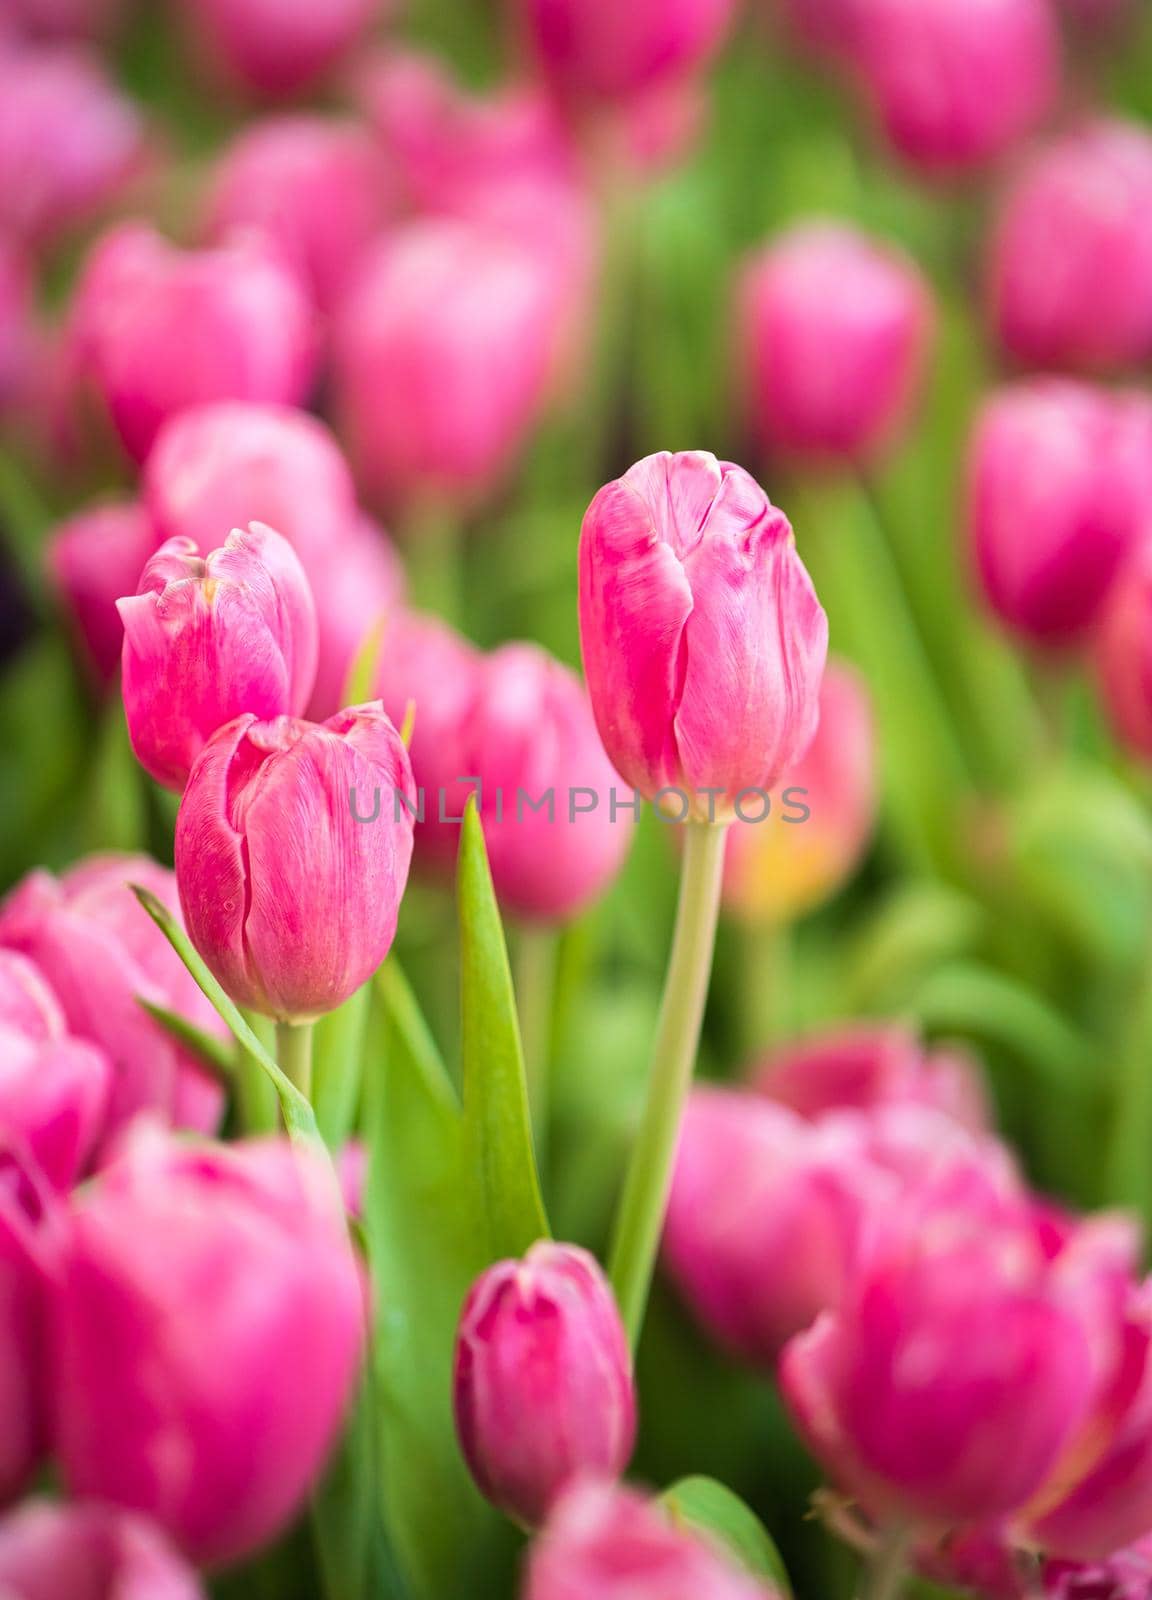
column 645, row 1198
column 294, row 1054
column 885, row 1579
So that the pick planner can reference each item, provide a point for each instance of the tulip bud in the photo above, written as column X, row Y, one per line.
column 837, row 328
column 278, row 49
column 293, row 842
column 781, row 868
column 543, row 1379
column 94, row 558
column 315, row 187
column 703, row 640
column 142, row 305
column 595, row 50
column 954, row 85
column 211, row 1413
column 1123, row 649
column 612, row 1543
column 65, row 1552
column 1060, row 489
column 462, row 320
column 209, row 638
column 357, row 589
column 1070, row 267
column 102, row 954
column 31, row 1238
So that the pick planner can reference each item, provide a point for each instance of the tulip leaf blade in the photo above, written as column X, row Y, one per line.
column 497, row 1118
column 214, row 1056
column 705, row 1506
column 299, row 1118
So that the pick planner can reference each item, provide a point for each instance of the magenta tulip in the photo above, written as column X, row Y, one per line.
column 543, row 1379
column 1124, row 1575
column 27, row 1002
column 18, row 337
column 53, row 1100
column 596, row 50
column 1123, row 650
column 93, row 559
column 31, row 1239
column 359, row 590
column 207, row 1333
column 207, row 638
column 65, row 19
column 703, row 640
column 1060, row 491
column 155, row 330
column 279, row 48
column 89, row 1552
column 102, row 954
column 293, row 843
column 612, row 1543
column 1070, row 267
column 837, row 328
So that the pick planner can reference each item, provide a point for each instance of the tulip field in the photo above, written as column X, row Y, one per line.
column 575, row 799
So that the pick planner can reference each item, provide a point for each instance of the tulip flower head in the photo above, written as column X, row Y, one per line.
column 93, row 558
column 32, row 1230
column 1123, row 651
column 359, row 591
column 55, row 1552
column 278, row 48
column 702, row 637
column 209, row 638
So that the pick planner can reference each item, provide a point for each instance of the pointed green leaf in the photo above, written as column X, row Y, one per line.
column 707, row 1507
column 214, row 1056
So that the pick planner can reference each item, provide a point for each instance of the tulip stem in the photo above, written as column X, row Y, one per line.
column 294, row 1054
column 641, row 1215
column 885, row 1578
column 535, row 983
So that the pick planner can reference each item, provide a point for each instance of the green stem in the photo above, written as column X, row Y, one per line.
column 641, row 1214
column 294, row 1054
column 257, row 1106
column 536, row 956
column 434, row 551
column 765, row 960
column 1127, row 1165
column 885, row 1579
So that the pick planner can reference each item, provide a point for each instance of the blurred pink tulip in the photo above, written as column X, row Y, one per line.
column 611, row 1542
column 31, row 1239
column 598, row 50
column 53, row 1100
column 462, row 320
column 69, row 141
column 1124, row 1575
column 703, row 640
column 1060, row 489
column 953, row 84
column 93, row 559
column 837, row 328
column 18, row 335
column 102, row 954
column 155, row 329
column 358, row 588
column 824, row 26
column 279, row 48
column 1123, row 650
column 1070, row 263
column 64, row 19
column 318, row 188
column 211, row 1412
column 543, row 1379
column 89, row 1552
column 293, row 842
column 26, row 999
column 207, row 638
column 777, row 870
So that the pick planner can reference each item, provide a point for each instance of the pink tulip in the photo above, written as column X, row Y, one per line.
column 779, row 869
column 703, row 640
column 102, row 954
column 155, row 329
column 1060, row 489
column 89, row 1552
column 207, row 1334
column 293, row 842
column 838, row 329
column 18, row 336
column 612, row 1543
column 94, row 558
column 824, row 26
column 279, row 48
column 316, row 187
column 1123, row 649
column 543, row 1379
column 358, row 589
column 27, row 1003
column 462, row 320
column 69, row 141
column 596, row 50
column 31, row 1240
column 1125, row 1575
column 53, row 1100
column 954, row 85
column 64, row 19
column 209, row 638
column 1070, row 264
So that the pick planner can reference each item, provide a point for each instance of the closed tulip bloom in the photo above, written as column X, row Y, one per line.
column 93, row 558
column 1070, row 266
column 155, row 329
column 595, row 50
column 462, row 320
column 317, row 187
column 953, row 84
column 1060, row 490
column 89, row 1552
column 778, row 869
column 53, row 1100
column 212, row 1413
column 1123, row 651
column 207, row 638
column 702, row 637
column 611, row 1542
column 543, row 1379
column 358, row 590
column 102, row 955
column 289, row 882
column 31, row 1240
column 279, row 48
column 837, row 327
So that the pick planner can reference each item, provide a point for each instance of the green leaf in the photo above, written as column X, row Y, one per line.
column 298, row 1115
column 707, row 1507
column 338, row 1067
column 980, row 1003
column 498, row 1125
column 359, row 686
column 354, row 1556
column 216, row 1057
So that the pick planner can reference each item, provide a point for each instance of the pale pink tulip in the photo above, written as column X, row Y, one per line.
column 89, row 1552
